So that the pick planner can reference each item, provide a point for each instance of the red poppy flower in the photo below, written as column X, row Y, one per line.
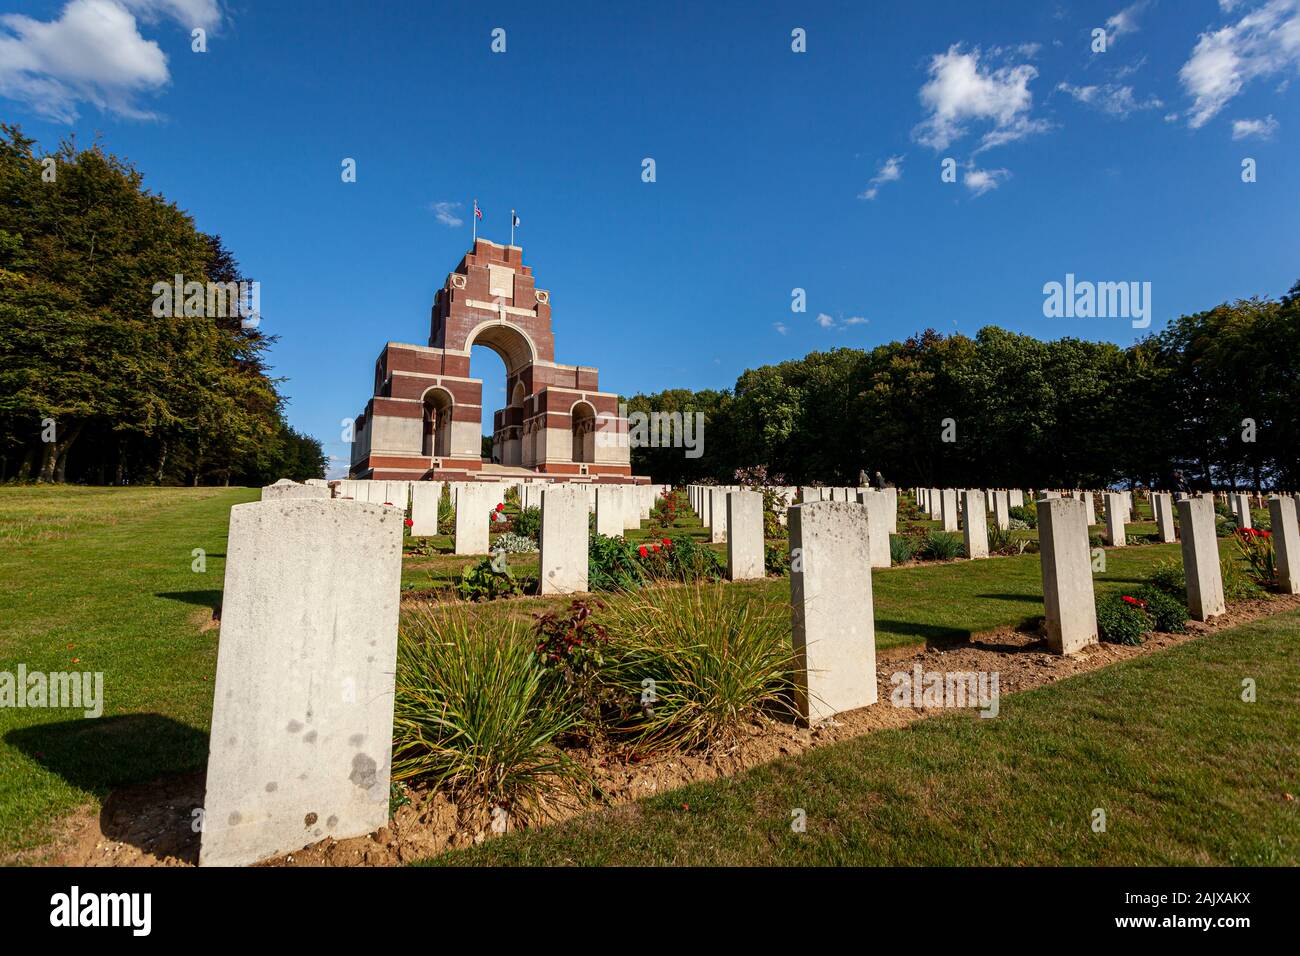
column 642, row 551
column 1134, row 601
column 668, row 541
column 501, row 507
column 409, row 522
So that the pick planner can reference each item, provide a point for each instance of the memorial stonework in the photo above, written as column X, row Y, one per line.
column 744, row 535
column 562, row 563
column 1071, row 614
column 425, row 417
column 834, row 629
column 1201, row 559
column 302, row 716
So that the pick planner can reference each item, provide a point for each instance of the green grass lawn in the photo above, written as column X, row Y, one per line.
column 1186, row 772
column 104, row 575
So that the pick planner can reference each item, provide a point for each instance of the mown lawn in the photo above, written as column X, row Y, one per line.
column 1186, row 772
column 103, row 576
column 100, row 580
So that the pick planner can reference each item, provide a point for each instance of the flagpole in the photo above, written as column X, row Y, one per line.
column 512, row 227
column 474, row 216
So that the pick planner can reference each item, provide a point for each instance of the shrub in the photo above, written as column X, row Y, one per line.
column 489, row 579
column 1167, row 614
column 1122, row 620
column 901, row 549
column 681, row 559
column 1006, row 542
column 1255, row 548
column 1026, row 514
column 528, row 523
column 692, row 665
column 612, row 565
column 1095, row 540
column 474, row 711
column 941, row 546
column 776, row 559
column 1224, row 527
column 1017, row 524
column 571, row 649
column 1167, row 576
column 446, row 513
column 513, row 543
column 1237, row 585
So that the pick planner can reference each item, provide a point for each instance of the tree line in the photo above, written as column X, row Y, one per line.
column 1216, row 395
column 95, row 385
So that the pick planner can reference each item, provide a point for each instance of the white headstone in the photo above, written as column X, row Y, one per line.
column 562, row 567
column 744, row 535
column 1067, row 575
column 1201, row 558
column 976, row 527
column 302, row 717
column 833, row 624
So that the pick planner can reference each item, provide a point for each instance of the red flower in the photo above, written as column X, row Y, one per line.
column 654, row 547
column 388, row 503
column 501, row 507
column 667, row 541
column 1266, row 534
column 642, row 551
column 1134, row 601
column 409, row 522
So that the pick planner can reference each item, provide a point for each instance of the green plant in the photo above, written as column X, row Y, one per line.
column 776, row 559
column 571, row 649
column 1167, row 614
column 1255, row 548
column 941, row 546
column 528, row 523
column 474, row 711
column 902, row 548
column 1095, row 540
column 1006, row 542
column 1026, row 514
column 612, row 565
column 1167, row 576
column 489, row 579
column 1237, row 584
column 692, row 665
column 1122, row 620
column 513, row 543
column 446, row 513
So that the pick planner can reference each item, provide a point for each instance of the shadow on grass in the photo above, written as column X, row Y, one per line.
column 209, row 599
column 145, row 768
column 1030, row 598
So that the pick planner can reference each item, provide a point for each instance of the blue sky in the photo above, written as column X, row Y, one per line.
column 775, row 169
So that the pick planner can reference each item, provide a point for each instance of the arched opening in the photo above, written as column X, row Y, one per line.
column 437, row 423
column 503, row 394
column 583, row 418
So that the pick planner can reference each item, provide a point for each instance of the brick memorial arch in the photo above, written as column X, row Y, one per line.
column 424, row 420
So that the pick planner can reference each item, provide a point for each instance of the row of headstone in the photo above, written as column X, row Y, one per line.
column 301, row 739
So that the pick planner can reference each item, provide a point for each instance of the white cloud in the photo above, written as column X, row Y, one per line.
column 781, row 327
column 962, row 91
column 445, row 212
column 92, row 53
column 891, row 170
column 1263, row 128
column 827, row 322
column 1124, row 22
column 1110, row 98
column 1264, row 41
column 980, row 181
column 188, row 13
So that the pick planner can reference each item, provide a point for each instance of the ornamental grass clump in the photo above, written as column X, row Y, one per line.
column 693, row 664
column 475, row 711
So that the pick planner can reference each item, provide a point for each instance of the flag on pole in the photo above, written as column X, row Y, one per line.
column 514, row 220
column 478, row 213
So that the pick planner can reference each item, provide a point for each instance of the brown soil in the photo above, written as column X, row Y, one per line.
column 151, row 824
